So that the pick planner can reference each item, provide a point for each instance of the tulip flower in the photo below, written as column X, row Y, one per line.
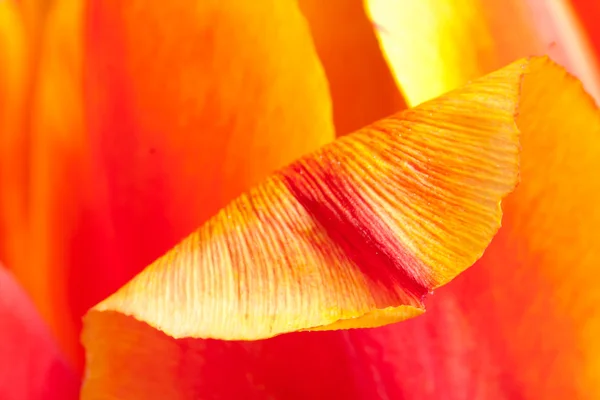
column 126, row 126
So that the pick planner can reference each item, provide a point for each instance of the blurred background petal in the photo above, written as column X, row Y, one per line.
column 435, row 45
column 587, row 12
column 361, row 84
column 31, row 366
column 147, row 119
column 308, row 365
column 57, row 165
column 13, row 143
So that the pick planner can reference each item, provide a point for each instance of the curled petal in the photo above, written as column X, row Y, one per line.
column 354, row 235
column 371, row 222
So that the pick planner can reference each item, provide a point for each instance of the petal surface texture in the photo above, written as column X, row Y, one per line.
column 353, row 235
column 31, row 366
column 148, row 118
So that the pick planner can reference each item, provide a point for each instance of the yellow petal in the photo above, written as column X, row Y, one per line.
column 523, row 322
column 434, row 46
column 357, row 232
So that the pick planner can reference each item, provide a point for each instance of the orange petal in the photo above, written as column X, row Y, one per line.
column 354, row 235
column 437, row 45
column 57, row 161
column 523, row 322
column 149, row 117
column 13, row 143
column 31, row 367
column 361, row 84
column 188, row 107
column 548, row 304
column 146, row 364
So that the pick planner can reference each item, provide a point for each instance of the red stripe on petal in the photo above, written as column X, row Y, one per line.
column 349, row 219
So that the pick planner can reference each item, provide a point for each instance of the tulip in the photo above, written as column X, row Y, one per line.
column 126, row 126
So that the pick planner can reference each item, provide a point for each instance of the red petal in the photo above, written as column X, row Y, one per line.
column 31, row 367
column 588, row 12
column 148, row 117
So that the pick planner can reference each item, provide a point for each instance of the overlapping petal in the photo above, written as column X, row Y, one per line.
column 549, row 238
column 354, row 235
column 147, row 119
column 141, row 159
column 520, row 324
column 31, row 366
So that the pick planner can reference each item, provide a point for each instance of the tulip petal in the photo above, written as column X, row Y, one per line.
column 361, row 84
column 407, row 203
column 434, row 46
column 550, row 237
column 354, row 235
column 57, row 162
column 31, row 367
column 532, row 307
column 523, row 322
column 149, row 117
column 13, row 144
column 587, row 12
